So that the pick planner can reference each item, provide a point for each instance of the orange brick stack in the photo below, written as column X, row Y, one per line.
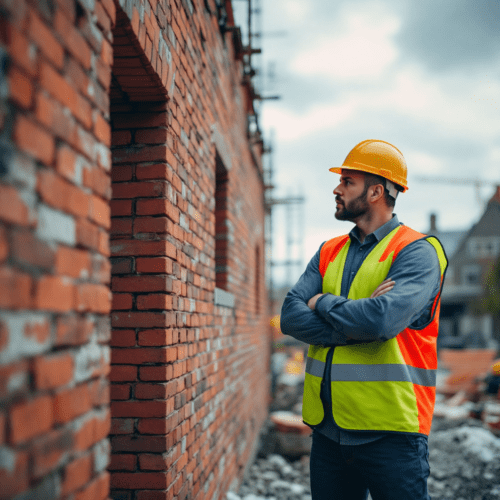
column 115, row 118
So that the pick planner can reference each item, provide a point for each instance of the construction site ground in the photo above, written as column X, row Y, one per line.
column 464, row 443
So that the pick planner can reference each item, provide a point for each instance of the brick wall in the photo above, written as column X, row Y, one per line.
column 116, row 121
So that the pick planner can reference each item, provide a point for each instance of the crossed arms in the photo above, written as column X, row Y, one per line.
column 335, row 320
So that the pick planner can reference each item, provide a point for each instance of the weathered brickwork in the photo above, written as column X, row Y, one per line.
column 129, row 188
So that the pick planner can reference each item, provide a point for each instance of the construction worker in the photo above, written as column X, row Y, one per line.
column 368, row 306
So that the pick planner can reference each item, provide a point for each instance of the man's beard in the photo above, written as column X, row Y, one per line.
column 354, row 209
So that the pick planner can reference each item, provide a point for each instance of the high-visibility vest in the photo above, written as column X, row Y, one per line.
column 382, row 385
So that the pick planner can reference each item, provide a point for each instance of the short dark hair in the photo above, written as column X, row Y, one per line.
column 372, row 180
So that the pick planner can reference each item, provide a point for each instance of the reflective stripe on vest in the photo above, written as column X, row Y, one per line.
column 373, row 373
column 387, row 386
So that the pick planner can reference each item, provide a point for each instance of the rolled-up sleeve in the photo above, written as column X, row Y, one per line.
column 417, row 279
column 298, row 320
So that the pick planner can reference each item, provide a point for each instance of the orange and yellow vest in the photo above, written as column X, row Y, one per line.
column 382, row 385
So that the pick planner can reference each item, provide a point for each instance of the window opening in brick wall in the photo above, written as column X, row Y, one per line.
column 221, row 225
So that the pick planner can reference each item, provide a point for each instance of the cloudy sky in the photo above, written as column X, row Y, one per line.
column 423, row 75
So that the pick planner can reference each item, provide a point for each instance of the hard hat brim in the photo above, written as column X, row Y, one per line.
column 369, row 170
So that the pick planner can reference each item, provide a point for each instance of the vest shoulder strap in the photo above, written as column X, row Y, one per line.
column 404, row 236
column 330, row 250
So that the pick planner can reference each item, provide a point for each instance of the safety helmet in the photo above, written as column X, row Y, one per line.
column 495, row 367
column 379, row 158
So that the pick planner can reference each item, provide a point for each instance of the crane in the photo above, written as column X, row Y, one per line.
column 477, row 183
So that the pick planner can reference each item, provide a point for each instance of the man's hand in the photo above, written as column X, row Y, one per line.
column 312, row 301
column 384, row 287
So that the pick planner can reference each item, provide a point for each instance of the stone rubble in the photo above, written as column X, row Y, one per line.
column 464, row 459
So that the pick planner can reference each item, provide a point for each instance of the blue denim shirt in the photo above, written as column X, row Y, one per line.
column 336, row 319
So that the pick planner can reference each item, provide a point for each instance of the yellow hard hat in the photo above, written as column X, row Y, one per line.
column 495, row 367
column 379, row 158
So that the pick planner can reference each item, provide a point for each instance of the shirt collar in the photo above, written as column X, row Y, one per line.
column 379, row 233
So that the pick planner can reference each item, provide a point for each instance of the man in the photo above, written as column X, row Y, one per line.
column 368, row 306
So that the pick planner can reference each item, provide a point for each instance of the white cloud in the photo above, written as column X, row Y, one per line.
column 360, row 47
column 291, row 126
column 295, row 10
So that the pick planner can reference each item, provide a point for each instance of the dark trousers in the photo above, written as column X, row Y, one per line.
column 395, row 467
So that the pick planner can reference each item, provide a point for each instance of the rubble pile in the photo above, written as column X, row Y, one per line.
column 464, row 459
column 275, row 478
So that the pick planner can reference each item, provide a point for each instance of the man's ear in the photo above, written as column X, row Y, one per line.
column 377, row 192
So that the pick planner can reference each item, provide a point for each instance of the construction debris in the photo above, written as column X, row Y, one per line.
column 464, row 444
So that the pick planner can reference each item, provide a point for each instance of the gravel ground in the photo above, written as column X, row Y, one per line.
column 464, row 460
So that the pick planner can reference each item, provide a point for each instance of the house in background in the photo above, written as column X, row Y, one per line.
column 470, row 256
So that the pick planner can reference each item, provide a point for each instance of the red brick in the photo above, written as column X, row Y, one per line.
column 155, row 301
column 72, row 403
column 157, row 265
column 121, row 227
column 121, row 138
column 76, row 474
column 153, row 426
column 34, row 140
column 28, row 249
column 41, row 34
column 97, row 490
column 93, row 298
column 51, row 450
column 54, row 294
column 74, row 42
column 4, row 244
column 122, row 426
column 61, row 194
column 149, row 189
column 16, row 479
column 152, row 462
column 139, row 480
column 123, row 462
column 141, row 284
column 155, row 171
column 22, row 51
column 30, row 419
column 140, row 120
column 136, row 356
column 151, row 136
column 120, row 392
column 16, row 289
column 72, row 262
column 100, row 212
column 66, row 162
column 73, row 331
column 150, row 391
column 155, row 337
column 122, row 301
column 155, row 373
column 14, row 379
column 91, row 432
column 87, row 234
column 145, row 409
column 120, row 207
column 98, row 180
column 20, row 88
column 53, row 371
column 60, row 89
column 141, row 248
column 157, row 207
column 102, row 129
column 123, row 373
column 53, row 116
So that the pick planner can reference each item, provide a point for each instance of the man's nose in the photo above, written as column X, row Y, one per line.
column 336, row 191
